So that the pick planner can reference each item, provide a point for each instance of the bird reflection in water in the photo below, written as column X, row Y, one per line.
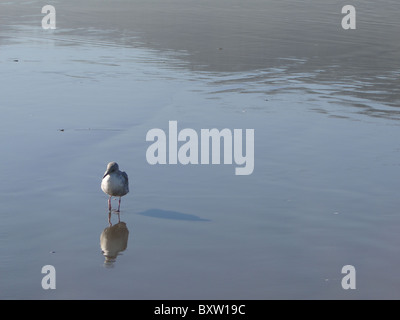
column 113, row 241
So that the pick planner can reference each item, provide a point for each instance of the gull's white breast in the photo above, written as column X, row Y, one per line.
column 115, row 185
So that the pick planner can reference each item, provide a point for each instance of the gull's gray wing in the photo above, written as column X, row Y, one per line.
column 126, row 179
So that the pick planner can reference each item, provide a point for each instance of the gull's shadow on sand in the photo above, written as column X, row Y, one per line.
column 173, row 215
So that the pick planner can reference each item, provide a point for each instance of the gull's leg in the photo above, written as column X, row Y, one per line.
column 109, row 203
column 109, row 218
column 119, row 203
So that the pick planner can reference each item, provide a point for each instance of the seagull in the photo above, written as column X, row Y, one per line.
column 114, row 183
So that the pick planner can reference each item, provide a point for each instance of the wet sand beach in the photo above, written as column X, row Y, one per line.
column 323, row 103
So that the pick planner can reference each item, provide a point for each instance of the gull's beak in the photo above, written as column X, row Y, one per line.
column 106, row 174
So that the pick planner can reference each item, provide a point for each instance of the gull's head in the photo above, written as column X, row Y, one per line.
column 111, row 167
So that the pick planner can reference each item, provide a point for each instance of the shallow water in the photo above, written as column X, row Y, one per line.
column 323, row 193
